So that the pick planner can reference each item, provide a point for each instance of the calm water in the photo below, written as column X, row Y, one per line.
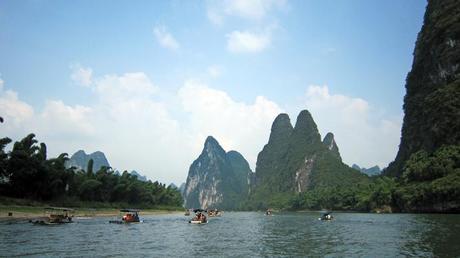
column 241, row 234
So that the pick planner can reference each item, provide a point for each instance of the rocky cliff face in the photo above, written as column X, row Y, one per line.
column 217, row 179
column 432, row 101
column 296, row 160
column 182, row 189
column 331, row 145
column 80, row 160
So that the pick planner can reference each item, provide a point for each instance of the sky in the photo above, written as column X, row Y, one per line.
column 146, row 82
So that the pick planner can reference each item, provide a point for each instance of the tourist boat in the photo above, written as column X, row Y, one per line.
column 130, row 216
column 326, row 216
column 214, row 213
column 199, row 218
column 55, row 215
column 269, row 212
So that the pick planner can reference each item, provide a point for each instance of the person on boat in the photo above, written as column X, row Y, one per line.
column 203, row 218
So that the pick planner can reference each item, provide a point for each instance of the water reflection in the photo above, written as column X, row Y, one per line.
column 242, row 234
column 433, row 235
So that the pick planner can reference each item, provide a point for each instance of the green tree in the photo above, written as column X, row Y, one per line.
column 3, row 157
column 89, row 169
column 24, row 168
column 90, row 190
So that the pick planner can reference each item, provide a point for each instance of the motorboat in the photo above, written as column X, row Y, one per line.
column 130, row 216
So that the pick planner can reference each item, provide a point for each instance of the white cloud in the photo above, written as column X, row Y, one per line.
column 133, row 130
column 236, row 125
column 252, row 9
column 134, row 127
column 13, row 110
column 247, row 9
column 81, row 75
column 57, row 118
column 114, row 88
column 364, row 136
column 57, row 124
column 247, row 42
column 164, row 38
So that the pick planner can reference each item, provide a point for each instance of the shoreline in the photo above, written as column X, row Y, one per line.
column 33, row 212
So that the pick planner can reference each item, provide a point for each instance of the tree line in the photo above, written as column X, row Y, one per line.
column 430, row 182
column 26, row 172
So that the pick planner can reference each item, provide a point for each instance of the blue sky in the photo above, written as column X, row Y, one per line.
column 176, row 71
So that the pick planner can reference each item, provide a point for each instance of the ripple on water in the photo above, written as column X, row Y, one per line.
column 247, row 234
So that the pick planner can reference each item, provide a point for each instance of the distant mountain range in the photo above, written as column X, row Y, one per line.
column 139, row 176
column 80, row 160
column 372, row 171
column 294, row 160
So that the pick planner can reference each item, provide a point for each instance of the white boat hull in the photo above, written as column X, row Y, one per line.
column 197, row 222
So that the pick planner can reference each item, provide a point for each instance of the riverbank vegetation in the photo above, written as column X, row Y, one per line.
column 429, row 183
column 27, row 173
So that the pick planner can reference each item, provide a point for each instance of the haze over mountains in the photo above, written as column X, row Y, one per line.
column 80, row 161
column 372, row 171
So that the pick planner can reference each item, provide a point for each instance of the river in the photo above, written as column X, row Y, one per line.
column 241, row 234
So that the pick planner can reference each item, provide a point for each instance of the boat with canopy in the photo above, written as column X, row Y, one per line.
column 199, row 218
column 130, row 216
column 56, row 215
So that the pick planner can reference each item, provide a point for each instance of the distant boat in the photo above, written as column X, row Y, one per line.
column 326, row 216
column 214, row 213
column 199, row 218
column 131, row 216
column 55, row 215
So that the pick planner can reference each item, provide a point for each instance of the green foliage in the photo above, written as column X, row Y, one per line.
column 3, row 156
column 90, row 190
column 431, row 182
column 424, row 167
column 89, row 169
column 29, row 174
column 360, row 197
column 297, row 158
column 432, row 101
